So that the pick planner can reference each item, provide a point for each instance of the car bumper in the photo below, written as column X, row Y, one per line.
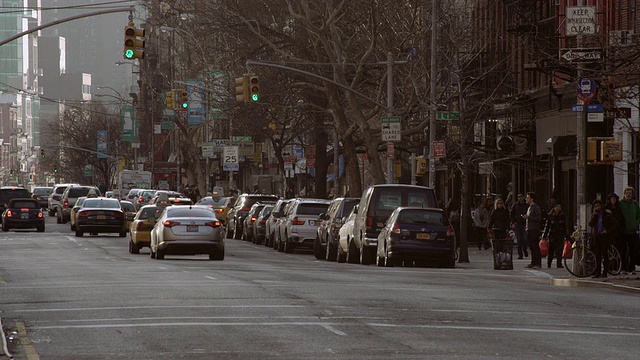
column 370, row 241
column 419, row 252
column 23, row 223
column 192, row 247
column 95, row 228
column 141, row 238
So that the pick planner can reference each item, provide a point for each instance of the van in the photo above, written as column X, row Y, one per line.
column 376, row 205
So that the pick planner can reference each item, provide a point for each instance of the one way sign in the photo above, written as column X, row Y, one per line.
column 581, row 55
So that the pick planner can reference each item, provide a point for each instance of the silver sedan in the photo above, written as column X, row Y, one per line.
column 187, row 230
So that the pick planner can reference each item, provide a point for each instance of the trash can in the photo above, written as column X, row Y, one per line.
column 502, row 254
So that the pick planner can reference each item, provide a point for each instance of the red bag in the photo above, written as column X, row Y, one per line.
column 567, row 251
column 544, row 247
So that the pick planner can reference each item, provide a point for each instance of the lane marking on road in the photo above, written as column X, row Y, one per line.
column 539, row 273
column 165, row 307
column 210, row 278
column 72, row 239
column 31, row 352
column 334, row 330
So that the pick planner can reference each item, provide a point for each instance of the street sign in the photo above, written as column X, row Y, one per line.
column 448, row 115
column 230, row 159
column 207, row 150
column 439, row 149
column 391, row 128
column 618, row 113
column 586, row 89
column 580, row 20
column 242, row 139
column 581, row 55
column 595, row 117
column 390, row 151
column 590, row 108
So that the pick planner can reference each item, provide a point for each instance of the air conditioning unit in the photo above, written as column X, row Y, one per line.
column 621, row 37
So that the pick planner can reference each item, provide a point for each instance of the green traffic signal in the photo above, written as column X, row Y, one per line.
column 129, row 54
column 185, row 105
column 255, row 97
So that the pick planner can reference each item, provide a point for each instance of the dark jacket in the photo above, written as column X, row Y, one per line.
column 535, row 218
column 608, row 221
column 499, row 219
column 557, row 226
column 517, row 210
column 631, row 214
column 616, row 211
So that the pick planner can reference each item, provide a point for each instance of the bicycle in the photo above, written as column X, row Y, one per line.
column 583, row 262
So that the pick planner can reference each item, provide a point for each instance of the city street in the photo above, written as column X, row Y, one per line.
column 88, row 298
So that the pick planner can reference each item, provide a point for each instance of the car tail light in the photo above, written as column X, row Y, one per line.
column 218, row 211
column 450, row 231
column 85, row 213
column 40, row 214
column 143, row 226
column 141, row 199
column 66, row 203
column 24, row 209
column 396, row 229
column 56, row 197
column 214, row 224
column 369, row 222
column 295, row 221
column 253, row 219
column 169, row 223
column 9, row 213
column 117, row 214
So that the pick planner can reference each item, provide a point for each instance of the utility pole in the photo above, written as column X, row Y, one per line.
column 434, row 107
column 581, row 145
column 389, row 113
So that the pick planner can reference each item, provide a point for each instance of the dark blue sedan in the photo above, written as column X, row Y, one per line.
column 420, row 235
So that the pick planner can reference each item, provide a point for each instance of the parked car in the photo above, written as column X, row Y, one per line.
column 420, row 235
column 249, row 221
column 376, row 205
column 11, row 192
column 239, row 212
column 101, row 215
column 22, row 213
column 74, row 212
column 56, row 195
column 41, row 193
column 140, row 228
column 326, row 243
column 129, row 211
column 219, row 205
column 259, row 227
column 270, row 226
column 68, row 200
column 300, row 227
column 280, row 223
column 187, row 230
column 344, row 237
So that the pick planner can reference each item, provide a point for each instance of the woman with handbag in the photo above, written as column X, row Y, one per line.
column 556, row 232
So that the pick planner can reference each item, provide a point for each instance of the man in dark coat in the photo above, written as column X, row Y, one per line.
column 603, row 229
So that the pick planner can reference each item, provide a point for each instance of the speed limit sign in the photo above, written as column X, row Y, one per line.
column 230, row 158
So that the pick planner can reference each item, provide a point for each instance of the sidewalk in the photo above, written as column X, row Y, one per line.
column 483, row 259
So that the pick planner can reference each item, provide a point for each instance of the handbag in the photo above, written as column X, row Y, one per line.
column 544, row 247
column 567, row 251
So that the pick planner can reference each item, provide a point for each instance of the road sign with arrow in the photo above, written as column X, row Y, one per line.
column 581, row 55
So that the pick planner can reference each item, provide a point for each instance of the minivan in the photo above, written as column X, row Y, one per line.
column 376, row 205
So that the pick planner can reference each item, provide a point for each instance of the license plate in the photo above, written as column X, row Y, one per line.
column 422, row 236
column 102, row 217
column 24, row 216
column 192, row 228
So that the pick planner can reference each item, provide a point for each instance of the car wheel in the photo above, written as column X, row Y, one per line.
column 228, row 232
column 79, row 233
column 380, row 261
column 73, row 227
column 289, row 248
column 5, row 228
column 58, row 218
column 123, row 234
column 152, row 253
column 52, row 212
column 133, row 248
column 41, row 228
column 218, row 255
column 159, row 255
column 266, row 242
column 318, row 251
column 330, row 254
column 341, row 256
column 391, row 262
column 353, row 254
column 237, row 234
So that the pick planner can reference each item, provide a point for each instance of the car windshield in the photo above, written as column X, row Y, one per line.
column 26, row 204
column 348, row 206
column 80, row 201
column 7, row 194
column 250, row 200
column 390, row 199
column 127, row 207
column 150, row 212
column 211, row 201
column 42, row 191
column 421, row 217
column 102, row 203
column 80, row 191
column 189, row 212
column 311, row 209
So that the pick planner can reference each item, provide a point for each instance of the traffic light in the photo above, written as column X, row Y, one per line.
column 133, row 47
column 55, row 168
column 42, row 153
column 11, row 172
column 421, row 165
column 241, row 88
column 30, row 177
column 603, row 150
column 184, row 99
column 169, row 102
column 254, row 88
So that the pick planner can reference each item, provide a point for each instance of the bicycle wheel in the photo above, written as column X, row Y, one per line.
column 581, row 267
column 615, row 261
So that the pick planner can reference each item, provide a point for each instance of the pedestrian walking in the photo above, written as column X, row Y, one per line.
column 603, row 228
column 556, row 232
column 518, row 211
column 533, row 219
column 629, row 232
column 481, row 221
column 499, row 221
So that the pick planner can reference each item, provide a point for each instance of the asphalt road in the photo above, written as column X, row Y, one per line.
column 88, row 298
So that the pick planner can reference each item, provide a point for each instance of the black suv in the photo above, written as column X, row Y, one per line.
column 326, row 244
column 11, row 192
column 238, row 213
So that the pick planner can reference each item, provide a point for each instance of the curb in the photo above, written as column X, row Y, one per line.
column 591, row 283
